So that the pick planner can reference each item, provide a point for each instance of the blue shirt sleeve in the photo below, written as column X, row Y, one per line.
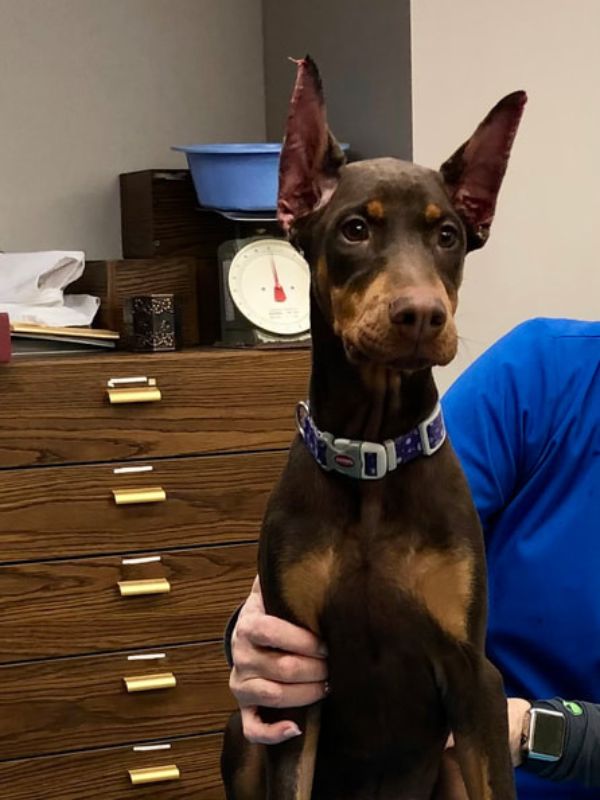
column 497, row 416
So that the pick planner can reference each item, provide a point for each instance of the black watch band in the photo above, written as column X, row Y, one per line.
column 580, row 761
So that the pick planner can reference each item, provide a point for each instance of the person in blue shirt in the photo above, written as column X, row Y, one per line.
column 524, row 420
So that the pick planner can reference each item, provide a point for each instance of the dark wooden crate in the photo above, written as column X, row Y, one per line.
column 115, row 281
column 160, row 217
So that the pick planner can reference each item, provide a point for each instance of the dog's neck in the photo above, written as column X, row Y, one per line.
column 367, row 401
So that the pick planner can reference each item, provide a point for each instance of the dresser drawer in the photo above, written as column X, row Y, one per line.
column 104, row 774
column 57, row 512
column 57, row 410
column 78, row 703
column 59, row 608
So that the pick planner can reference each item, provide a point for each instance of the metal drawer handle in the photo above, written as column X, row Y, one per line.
column 154, row 774
column 133, row 390
column 148, row 683
column 148, row 586
column 148, row 494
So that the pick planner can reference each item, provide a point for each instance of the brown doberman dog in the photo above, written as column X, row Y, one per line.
column 370, row 538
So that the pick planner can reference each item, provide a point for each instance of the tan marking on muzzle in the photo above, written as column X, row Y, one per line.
column 349, row 307
column 453, row 300
column 432, row 212
column 375, row 209
column 343, row 306
column 322, row 271
column 368, row 310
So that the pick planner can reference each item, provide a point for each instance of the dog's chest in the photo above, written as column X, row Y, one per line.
column 366, row 581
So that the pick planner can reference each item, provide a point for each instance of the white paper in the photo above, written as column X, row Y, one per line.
column 32, row 288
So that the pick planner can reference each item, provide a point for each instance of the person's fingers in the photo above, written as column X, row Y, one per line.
column 255, row 730
column 261, row 692
column 274, row 665
column 518, row 725
column 255, row 596
column 263, row 630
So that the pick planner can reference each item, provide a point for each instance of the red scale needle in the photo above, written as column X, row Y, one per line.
column 278, row 290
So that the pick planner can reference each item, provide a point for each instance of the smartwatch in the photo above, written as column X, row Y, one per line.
column 545, row 739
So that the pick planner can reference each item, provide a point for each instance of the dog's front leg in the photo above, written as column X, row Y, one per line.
column 291, row 764
column 477, row 713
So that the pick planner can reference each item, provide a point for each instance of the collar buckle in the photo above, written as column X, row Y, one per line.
column 432, row 431
column 369, row 460
column 364, row 460
column 374, row 460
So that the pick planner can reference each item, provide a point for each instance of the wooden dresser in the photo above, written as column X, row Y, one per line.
column 129, row 512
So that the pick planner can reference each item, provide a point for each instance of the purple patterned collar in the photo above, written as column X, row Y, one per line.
column 370, row 460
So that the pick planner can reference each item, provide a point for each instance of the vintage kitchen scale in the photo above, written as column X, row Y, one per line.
column 263, row 281
column 263, row 285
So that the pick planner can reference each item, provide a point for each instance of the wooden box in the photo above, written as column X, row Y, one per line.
column 115, row 281
column 5, row 343
column 160, row 217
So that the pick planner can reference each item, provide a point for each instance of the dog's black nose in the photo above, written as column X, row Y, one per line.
column 421, row 316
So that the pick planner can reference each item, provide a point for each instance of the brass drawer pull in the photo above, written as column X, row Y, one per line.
column 148, row 683
column 133, row 390
column 148, row 494
column 148, row 586
column 154, row 774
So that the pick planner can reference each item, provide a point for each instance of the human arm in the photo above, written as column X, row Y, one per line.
column 522, row 420
column 580, row 761
column 274, row 664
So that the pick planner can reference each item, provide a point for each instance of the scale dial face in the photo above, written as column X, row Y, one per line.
column 269, row 283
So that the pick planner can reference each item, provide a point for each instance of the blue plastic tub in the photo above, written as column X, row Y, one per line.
column 235, row 177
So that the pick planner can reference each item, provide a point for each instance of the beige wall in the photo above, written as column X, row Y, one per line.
column 542, row 258
column 91, row 88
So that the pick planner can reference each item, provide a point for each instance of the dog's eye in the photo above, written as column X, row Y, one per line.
column 355, row 229
column 447, row 235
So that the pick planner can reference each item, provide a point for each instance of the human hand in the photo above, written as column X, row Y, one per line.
column 277, row 665
column 518, row 724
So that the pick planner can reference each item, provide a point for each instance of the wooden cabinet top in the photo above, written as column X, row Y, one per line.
column 59, row 410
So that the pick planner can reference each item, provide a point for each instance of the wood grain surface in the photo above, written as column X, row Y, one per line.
column 56, row 410
column 59, row 512
column 102, row 774
column 59, row 608
column 75, row 703
column 160, row 217
column 114, row 281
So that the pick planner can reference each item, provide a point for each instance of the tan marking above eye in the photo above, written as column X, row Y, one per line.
column 432, row 212
column 375, row 209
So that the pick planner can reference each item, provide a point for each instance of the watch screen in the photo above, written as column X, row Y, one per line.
column 548, row 734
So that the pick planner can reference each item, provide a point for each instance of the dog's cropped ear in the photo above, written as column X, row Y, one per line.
column 473, row 175
column 310, row 157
